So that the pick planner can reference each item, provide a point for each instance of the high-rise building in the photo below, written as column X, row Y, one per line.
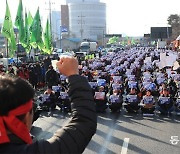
column 65, row 17
column 87, row 19
column 55, row 25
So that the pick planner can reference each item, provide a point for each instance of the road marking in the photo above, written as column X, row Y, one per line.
column 125, row 146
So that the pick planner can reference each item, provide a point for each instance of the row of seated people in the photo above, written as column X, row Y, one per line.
column 133, row 102
column 57, row 95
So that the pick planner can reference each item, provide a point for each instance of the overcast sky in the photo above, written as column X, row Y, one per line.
column 127, row 17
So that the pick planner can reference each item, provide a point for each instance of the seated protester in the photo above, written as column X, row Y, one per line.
column 115, row 100
column 105, row 76
column 132, row 101
column 163, row 86
column 100, row 99
column 165, row 102
column 149, row 86
column 132, row 85
column 116, row 86
column 49, row 99
column 64, row 102
column 148, row 103
column 159, row 81
column 103, row 83
column 57, row 90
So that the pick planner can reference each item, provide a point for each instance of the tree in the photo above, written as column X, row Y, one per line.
column 174, row 21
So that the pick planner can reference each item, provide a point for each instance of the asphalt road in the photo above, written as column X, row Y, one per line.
column 120, row 132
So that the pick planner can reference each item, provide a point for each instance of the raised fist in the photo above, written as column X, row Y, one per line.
column 68, row 66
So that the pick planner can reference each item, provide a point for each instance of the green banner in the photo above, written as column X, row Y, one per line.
column 19, row 22
column 8, row 32
column 26, row 43
column 48, row 39
column 36, row 32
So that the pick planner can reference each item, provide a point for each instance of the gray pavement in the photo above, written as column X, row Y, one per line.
column 145, row 135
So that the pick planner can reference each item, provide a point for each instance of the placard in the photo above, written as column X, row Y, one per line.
column 99, row 95
column 114, row 99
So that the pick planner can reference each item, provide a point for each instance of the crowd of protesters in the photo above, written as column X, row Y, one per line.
column 38, row 73
column 118, row 79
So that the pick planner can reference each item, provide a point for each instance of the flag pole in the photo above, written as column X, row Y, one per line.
column 7, row 56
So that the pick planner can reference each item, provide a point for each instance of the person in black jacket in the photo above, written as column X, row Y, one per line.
column 51, row 77
column 16, row 98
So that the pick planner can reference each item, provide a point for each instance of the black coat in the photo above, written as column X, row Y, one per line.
column 51, row 77
column 75, row 136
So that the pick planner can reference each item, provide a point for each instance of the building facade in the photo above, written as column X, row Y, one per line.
column 55, row 25
column 87, row 19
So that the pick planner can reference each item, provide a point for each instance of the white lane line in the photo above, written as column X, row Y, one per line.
column 125, row 146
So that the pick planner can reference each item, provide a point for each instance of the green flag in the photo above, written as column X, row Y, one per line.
column 36, row 32
column 30, row 19
column 19, row 22
column 8, row 31
column 48, row 39
column 26, row 43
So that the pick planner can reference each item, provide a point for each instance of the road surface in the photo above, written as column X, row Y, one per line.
column 121, row 132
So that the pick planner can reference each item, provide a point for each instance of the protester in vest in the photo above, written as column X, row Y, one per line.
column 100, row 99
column 16, row 98
column 148, row 103
column 132, row 101
column 165, row 102
column 115, row 100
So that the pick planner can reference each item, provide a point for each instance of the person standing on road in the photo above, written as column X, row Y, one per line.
column 51, row 77
column 16, row 114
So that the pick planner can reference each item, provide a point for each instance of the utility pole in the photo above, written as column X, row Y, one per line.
column 81, row 23
column 50, row 16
